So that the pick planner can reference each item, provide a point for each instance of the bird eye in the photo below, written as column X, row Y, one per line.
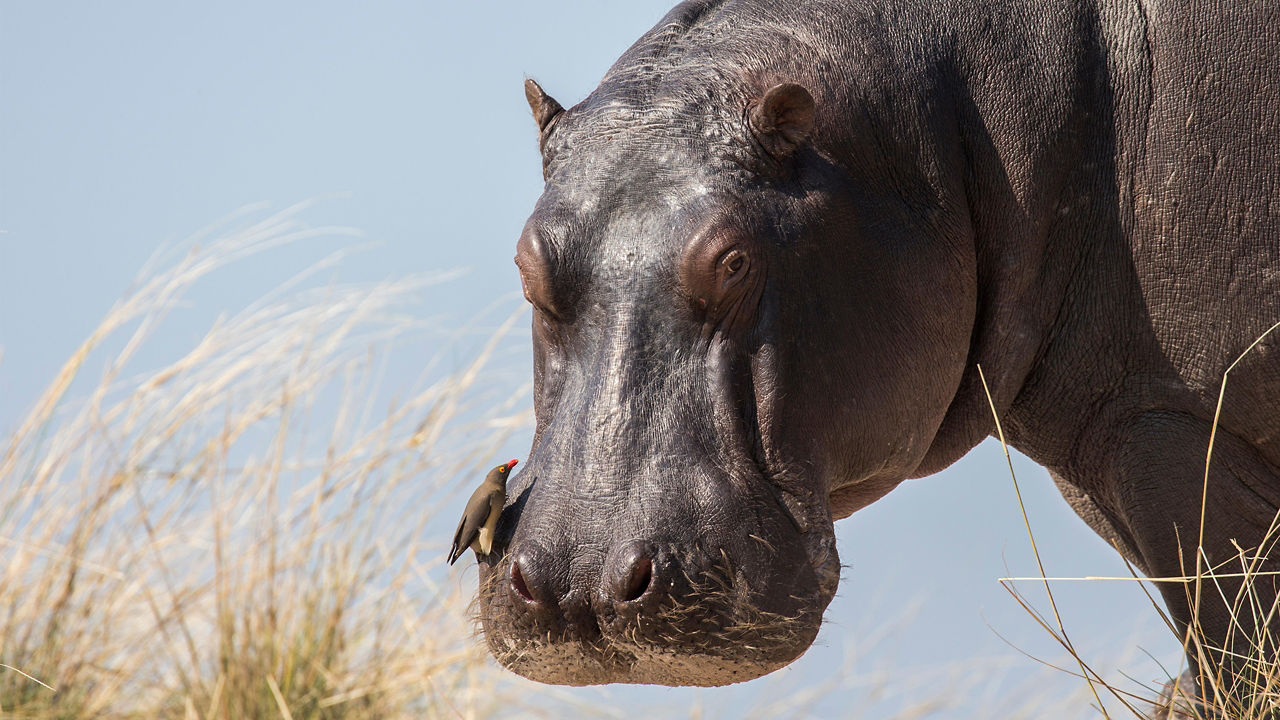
column 502, row 469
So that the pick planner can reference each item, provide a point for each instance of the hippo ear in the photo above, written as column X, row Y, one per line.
column 782, row 119
column 544, row 107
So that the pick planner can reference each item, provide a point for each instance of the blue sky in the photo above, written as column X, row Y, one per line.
column 125, row 125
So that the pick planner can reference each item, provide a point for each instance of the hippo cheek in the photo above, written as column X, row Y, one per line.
column 723, row 605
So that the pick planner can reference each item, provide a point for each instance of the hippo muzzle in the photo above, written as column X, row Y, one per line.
column 718, row 587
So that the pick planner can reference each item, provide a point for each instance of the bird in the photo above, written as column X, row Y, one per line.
column 475, row 529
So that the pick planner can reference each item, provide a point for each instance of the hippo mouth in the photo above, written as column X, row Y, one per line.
column 658, row 625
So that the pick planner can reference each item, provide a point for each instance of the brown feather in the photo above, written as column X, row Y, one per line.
column 485, row 502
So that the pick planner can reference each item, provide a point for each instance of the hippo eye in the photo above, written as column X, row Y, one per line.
column 722, row 276
column 733, row 267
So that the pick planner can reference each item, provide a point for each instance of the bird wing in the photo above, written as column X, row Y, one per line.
column 456, row 551
column 473, row 517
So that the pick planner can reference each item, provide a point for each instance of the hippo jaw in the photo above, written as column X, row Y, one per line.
column 755, row 643
column 709, row 627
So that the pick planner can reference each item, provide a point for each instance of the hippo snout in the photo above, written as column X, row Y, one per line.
column 603, row 602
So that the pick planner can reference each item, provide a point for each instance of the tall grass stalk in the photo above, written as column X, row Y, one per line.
column 240, row 532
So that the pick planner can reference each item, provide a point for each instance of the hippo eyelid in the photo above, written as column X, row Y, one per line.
column 734, row 266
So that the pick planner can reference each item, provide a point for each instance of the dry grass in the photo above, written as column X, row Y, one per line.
column 239, row 534
column 1239, row 676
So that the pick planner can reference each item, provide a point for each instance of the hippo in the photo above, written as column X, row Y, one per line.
column 775, row 246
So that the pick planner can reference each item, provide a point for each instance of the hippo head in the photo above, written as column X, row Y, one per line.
column 722, row 336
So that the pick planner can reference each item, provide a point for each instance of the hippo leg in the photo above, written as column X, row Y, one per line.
column 1157, row 481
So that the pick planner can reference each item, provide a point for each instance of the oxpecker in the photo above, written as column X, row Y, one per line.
column 475, row 529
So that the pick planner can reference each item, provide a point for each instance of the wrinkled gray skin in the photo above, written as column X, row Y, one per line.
column 750, row 321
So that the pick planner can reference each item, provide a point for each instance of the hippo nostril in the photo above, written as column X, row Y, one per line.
column 518, row 584
column 631, row 572
column 638, row 581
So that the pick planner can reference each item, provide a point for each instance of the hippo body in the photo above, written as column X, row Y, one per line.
column 778, row 240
